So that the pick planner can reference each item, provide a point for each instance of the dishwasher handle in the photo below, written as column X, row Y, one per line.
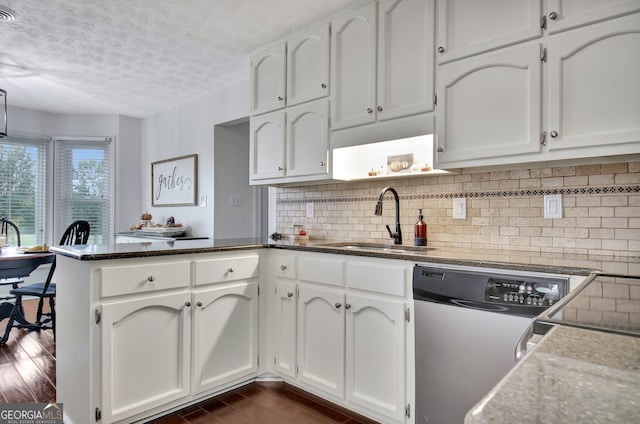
column 527, row 342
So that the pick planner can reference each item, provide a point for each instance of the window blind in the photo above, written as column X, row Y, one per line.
column 23, row 187
column 84, row 186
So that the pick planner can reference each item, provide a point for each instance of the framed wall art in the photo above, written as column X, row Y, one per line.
column 174, row 182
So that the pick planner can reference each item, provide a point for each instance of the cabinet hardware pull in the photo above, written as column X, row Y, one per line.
column 553, row 134
column 323, row 85
column 369, row 110
column 289, row 294
column 199, row 304
column 280, row 99
column 283, row 267
column 439, row 150
column 321, row 163
column 280, row 168
column 440, row 49
column 230, row 270
column 187, row 303
column 347, row 306
column 553, row 16
column 151, row 278
column 379, row 108
column 543, row 22
column 338, row 305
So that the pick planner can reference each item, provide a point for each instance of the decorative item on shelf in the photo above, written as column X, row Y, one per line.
column 399, row 163
column 299, row 233
column 416, row 167
column 3, row 98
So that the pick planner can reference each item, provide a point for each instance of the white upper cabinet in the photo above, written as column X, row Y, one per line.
column 308, row 66
column 567, row 14
column 490, row 106
column 594, row 87
column 266, row 149
column 353, row 51
column 469, row 27
column 308, row 139
column 268, row 79
column 382, row 62
column 406, row 36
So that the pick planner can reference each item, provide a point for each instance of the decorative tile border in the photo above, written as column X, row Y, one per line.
column 570, row 191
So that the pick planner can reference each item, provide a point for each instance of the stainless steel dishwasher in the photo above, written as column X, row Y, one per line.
column 468, row 322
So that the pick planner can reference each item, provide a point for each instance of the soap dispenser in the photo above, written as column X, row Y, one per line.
column 420, row 238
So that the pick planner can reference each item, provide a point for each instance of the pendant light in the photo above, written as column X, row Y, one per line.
column 3, row 98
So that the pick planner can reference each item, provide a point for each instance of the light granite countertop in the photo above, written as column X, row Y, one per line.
column 572, row 375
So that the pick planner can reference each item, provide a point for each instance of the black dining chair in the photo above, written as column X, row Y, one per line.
column 77, row 233
column 11, row 231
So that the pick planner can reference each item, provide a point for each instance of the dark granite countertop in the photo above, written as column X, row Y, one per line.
column 522, row 260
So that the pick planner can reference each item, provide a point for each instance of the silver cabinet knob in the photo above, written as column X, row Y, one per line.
column 347, row 306
column 323, row 85
column 151, row 278
column 338, row 305
column 280, row 98
column 369, row 110
column 280, row 168
column 553, row 16
column 187, row 304
column 283, row 267
column 289, row 294
column 230, row 270
column 440, row 49
column 439, row 150
column 322, row 163
column 379, row 108
column 199, row 304
column 553, row 134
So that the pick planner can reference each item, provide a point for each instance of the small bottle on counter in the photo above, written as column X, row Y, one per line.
column 420, row 238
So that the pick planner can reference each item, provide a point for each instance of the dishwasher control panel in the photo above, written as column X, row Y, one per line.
column 524, row 292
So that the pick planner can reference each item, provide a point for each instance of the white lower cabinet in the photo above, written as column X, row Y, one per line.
column 145, row 354
column 376, row 354
column 352, row 331
column 225, row 335
column 321, row 338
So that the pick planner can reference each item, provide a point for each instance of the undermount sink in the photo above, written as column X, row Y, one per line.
column 373, row 247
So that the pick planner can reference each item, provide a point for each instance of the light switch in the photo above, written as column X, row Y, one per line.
column 552, row 206
column 236, row 200
column 460, row 208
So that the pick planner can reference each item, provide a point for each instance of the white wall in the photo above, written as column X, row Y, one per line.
column 186, row 129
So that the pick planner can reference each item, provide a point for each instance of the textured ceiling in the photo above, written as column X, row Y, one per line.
column 138, row 57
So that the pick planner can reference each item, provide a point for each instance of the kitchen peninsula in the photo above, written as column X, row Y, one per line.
column 112, row 297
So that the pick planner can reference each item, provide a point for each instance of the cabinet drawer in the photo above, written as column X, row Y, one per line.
column 286, row 267
column 226, row 269
column 326, row 271
column 387, row 279
column 118, row 280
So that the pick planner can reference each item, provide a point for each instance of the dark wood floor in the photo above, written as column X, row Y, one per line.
column 28, row 374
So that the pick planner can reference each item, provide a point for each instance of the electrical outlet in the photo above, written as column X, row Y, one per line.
column 310, row 209
column 552, row 206
column 460, row 208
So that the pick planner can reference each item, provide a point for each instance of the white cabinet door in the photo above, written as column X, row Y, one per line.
column 266, row 152
column 286, row 316
column 376, row 354
column 406, row 37
column 225, row 335
column 145, row 353
column 268, row 79
column 567, row 14
column 308, row 65
column 594, row 86
column 468, row 27
column 308, row 139
column 321, row 338
column 490, row 106
column 353, row 68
